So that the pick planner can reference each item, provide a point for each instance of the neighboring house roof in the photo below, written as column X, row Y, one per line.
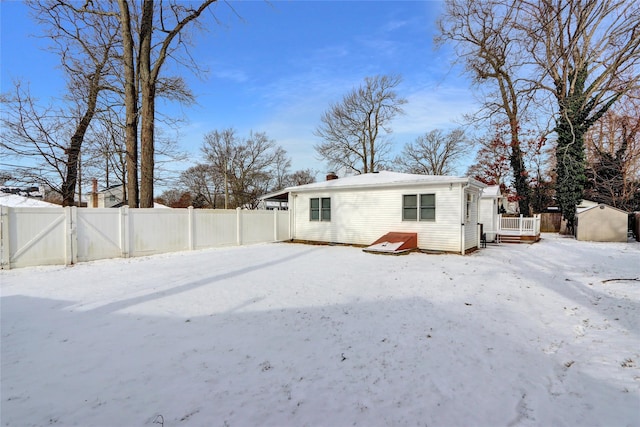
column 17, row 201
column 491, row 191
column 111, row 187
column 374, row 180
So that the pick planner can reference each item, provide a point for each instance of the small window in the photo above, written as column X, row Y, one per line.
column 420, row 207
column 315, row 210
column 325, row 209
column 320, row 209
column 427, row 207
column 409, row 207
column 112, row 198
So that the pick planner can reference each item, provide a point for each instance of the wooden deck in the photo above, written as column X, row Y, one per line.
column 518, row 229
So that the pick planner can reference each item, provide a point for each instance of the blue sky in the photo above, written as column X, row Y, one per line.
column 275, row 67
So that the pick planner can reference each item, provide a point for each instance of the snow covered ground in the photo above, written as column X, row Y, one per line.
column 295, row 335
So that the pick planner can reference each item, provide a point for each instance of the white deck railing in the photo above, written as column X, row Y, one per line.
column 519, row 226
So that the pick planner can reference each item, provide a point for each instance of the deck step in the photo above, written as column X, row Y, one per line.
column 509, row 238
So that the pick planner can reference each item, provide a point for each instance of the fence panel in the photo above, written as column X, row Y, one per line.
column 40, row 236
column 283, row 226
column 156, row 231
column 257, row 227
column 36, row 236
column 550, row 222
column 99, row 234
column 213, row 228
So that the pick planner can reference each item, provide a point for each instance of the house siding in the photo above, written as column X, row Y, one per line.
column 360, row 216
column 471, row 223
column 488, row 214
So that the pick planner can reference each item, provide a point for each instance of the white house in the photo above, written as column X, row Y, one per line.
column 112, row 196
column 442, row 210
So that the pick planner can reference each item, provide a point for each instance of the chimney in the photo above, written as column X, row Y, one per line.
column 94, row 193
column 331, row 176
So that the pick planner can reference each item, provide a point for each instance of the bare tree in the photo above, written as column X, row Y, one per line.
column 86, row 46
column 613, row 156
column 150, row 36
column 434, row 153
column 130, row 84
column 491, row 164
column 104, row 154
column 300, row 177
column 249, row 166
column 151, row 59
column 485, row 39
column 206, row 182
column 35, row 132
column 588, row 52
column 355, row 129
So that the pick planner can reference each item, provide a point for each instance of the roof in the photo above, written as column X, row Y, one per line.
column 17, row 201
column 375, row 180
column 491, row 191
column 581, row 210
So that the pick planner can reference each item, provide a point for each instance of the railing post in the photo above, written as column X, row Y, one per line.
column 521, row 223
column 499, row 224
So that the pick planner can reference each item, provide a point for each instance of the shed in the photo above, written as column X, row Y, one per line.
column 442, row 210
column 601, row 223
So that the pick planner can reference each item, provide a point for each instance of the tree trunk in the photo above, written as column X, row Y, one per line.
column 73, row 152
column 147, row 146
column 520, row 176
column 147, row 112
column 131, row 106
column 71, row 178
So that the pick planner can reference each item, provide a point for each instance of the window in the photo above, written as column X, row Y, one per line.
column 112, row 198
column 320, row 209
column 325, row 209
column 427, row 207
column 410, row 207
column 419, row 207
column 470, row 200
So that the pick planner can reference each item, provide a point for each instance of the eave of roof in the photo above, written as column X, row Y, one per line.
column 382, row 179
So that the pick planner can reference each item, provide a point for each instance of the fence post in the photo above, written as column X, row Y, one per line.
column 5, row 248
column 275, row 225
column 238, row 226
column 71, row 240
column 124, row 231
column 191, row 226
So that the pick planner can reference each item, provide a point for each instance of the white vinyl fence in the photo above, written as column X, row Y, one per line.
column 41, row 236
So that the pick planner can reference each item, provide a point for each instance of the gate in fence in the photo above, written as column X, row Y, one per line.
column 45, row 236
